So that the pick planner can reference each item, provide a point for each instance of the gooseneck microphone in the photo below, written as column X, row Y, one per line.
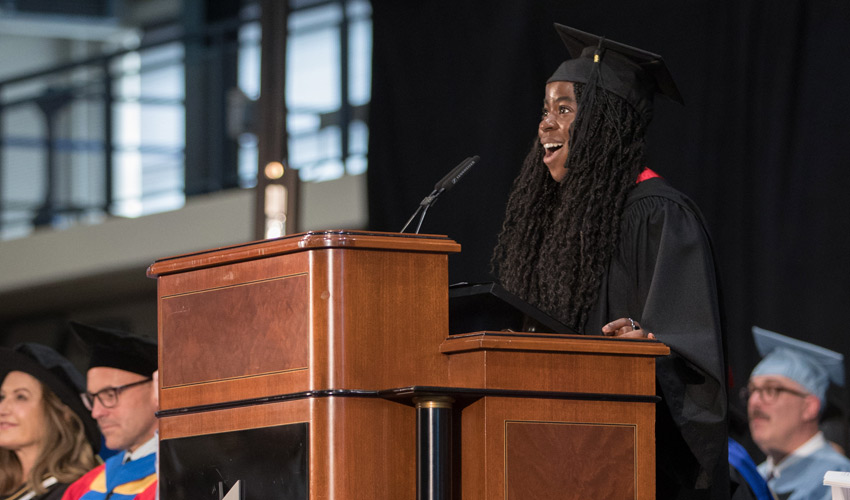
column 440, row 187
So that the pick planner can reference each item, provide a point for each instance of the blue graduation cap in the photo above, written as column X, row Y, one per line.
column 811, row 366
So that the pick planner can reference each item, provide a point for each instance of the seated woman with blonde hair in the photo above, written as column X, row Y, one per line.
column 47, row 437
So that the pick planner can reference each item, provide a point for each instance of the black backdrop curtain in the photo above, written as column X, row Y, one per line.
column 761, row 143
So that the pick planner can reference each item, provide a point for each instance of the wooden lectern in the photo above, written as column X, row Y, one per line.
column 300, row 367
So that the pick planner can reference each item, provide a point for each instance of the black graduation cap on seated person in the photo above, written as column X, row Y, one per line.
column 57, row 374
column 116, row 349
column 634, row 74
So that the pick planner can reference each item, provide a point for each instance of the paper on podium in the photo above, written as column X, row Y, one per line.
column 840, row 482
column 235, row 493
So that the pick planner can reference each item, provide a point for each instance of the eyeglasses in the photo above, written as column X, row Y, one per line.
column 109, row 397
column 768, row 393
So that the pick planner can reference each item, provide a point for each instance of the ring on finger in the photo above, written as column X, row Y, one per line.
column 634, row 326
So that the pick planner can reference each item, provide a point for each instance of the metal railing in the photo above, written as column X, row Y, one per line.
column 97, row 137
column 106, row 136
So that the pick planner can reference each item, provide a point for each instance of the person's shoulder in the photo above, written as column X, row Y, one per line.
column 811, row 469
column 805, row 477
column 660, row 191
column 82, row 485
column 54, row 492
column 149, row 493
column 657, row 201
column 828, row 456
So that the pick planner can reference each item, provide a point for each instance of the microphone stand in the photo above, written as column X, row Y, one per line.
column 444, row 184
column 423, row 207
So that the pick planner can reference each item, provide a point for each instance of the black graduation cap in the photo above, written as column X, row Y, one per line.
column 117, row 349
column 57, row 374
column 634, row 74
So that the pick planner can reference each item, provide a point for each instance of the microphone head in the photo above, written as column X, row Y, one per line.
column 455, row 175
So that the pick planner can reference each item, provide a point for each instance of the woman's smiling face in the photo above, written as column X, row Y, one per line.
column 22, row 415
column 559, row 111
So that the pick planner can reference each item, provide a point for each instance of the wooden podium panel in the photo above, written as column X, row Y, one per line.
column 544, row 459
column 555, row 448
column 359, row 448
column 561, row 416
column 550, row 362
column 311, row 312
column 320, row 343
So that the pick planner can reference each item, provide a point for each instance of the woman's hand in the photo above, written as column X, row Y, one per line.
column 626, row 327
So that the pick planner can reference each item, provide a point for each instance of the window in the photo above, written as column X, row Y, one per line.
column 119, row 121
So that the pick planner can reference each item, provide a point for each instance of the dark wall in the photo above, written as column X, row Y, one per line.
column 761, row 144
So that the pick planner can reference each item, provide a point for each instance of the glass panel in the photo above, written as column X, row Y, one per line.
column 314, row 89
column 312, row 70
column 148, row 120
column 249, row 59
column 356, row 165
column 149, row 132
column 24, row 165
column 161, row 71
column 23, row 122
column 127, row 162
column 322, row 16
column 162, row 126
column 360, row 61
column 248, row 158
column 358, row 146
column 162, row 181
column 324, row 170
column 24, row 187
column 249, row 83
column 309, row 149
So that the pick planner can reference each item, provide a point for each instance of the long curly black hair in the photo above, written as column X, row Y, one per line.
column 557, row 238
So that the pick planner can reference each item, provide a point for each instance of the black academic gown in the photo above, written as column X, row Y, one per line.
column 662, row 275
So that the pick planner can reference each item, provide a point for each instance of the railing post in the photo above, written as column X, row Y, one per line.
column 50, row 103
column 2, row 152
column 108, row 137
column 345, row 98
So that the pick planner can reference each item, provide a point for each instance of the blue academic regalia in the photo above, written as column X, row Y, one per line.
column 115, row 480
column 801, row 477
column 743, row 463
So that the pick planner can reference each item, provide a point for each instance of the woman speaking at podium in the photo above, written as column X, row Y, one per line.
column 601, row 242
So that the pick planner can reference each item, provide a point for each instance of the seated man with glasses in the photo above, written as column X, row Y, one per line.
column 785, row 397
column 121, row 396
